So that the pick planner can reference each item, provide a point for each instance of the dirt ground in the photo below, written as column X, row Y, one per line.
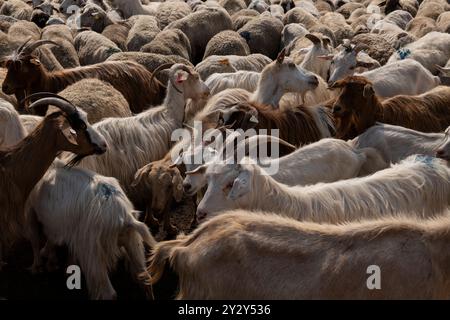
column 17, row 282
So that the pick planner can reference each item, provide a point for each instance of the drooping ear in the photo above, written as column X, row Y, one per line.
column 368, row 91
column 315, row 40
column 326, row 57
column 177, row 183
column 69, row 133
column 181, row 76
column 35, row 61
column 281, row 55
column 140, row 174
column 241, row 185
column 326, row 41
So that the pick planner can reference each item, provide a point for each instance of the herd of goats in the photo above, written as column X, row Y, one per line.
column 355, row 94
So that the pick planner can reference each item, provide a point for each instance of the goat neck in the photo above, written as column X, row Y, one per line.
column 30, row 159
column 175, row 102
column 268, row 92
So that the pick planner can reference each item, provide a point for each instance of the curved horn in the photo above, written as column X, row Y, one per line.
column 443, row 70
column 68, row 108
column 311, row 37
column 253, row 142
column 23, row 45
column 41, row 95
column 29, row 48
column 158, row 69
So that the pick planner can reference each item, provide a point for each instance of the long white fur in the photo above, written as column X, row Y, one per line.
column 11, row 131
column 418, row 185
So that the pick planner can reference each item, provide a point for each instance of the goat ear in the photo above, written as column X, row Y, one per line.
column 199, row 170
column 368, row 91
column 224, row 61
column 281, row 55
column 181, row 76
column 365, row 64
column 241, row 185
column 177, row 183
column 35, row 61
column 140, row 174
column 314, row 39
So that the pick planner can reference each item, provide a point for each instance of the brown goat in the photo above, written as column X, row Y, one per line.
column 26, row 76
column 358, row 108
column 297, row 126
column 18, row 176
column 155, row 186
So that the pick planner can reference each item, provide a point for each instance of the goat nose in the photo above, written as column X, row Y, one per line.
column 186, row 186
column 201, row 215
column 337, row 109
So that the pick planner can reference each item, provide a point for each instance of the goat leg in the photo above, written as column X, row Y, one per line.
column 167, row 225
column 35, row 239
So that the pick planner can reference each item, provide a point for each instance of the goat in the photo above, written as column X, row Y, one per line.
column 134, row 141
column 155, row 186
column 407, row 77
column 327, row 160
column 265, row 256
column 11, row 131
column 395, row 143
column 417, row 185
column 357, row 108
column 444, row 150
column 92, row 216
column 52, row 136
column 26, row 75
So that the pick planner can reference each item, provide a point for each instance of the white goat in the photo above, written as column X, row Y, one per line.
column 406, row 77
column 418, row 185
column 92, row 215
column 11, row 131
column 146, row 137
column 265, row 256
column 247, row 80
column 327, row 160
column 444, row 150
column 395, row 143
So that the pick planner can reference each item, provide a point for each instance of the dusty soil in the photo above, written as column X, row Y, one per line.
column 17, row 282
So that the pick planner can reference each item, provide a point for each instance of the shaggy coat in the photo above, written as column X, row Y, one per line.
column 357, row 108
column 264, row 256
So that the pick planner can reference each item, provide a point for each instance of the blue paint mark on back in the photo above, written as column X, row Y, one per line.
column 106, row 190
column 428, row 160
column 403, row 53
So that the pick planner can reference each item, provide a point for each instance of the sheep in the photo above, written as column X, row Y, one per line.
column 290, row 32
column 8, row 98
column 407, row 77
column 50, row 138
column 300, row 15
column 29, row 122
column 200, row 27
column 95, row 225
column 26, row 75
column 135, row 141
column 11, row 130
column 98, row 99
column 227, row 42
column 247, row 80
column 357, row 108
column 443, row 22
column 17, row 9
column 39, row 17
column 396, row 36
column 93, row 48
column 118, row 33
column 417, row 185
column 307, row 165
column 129, row 8
column 65, row 51
column 155, row 186
column 263, row 35
column 233, row 6
column 240, row 18
column 420, row 26
column 375, row 46
column 221, row 64
column 432, row 8
column 171, row 11
column 170, row 42
column 395, row 143
column 253, row 255
column 399, row 17
column 143, row 31
column 336, row 22
column 409, row 6
column 94, row 17
column 6, row 22
column 430, row 50
column 346, row 9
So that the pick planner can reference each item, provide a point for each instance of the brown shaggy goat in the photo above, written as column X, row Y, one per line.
column 297, row 126
column 358, row 108
column 26, row 75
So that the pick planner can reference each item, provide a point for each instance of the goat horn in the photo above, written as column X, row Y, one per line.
column 41, row 95
column 269, row 139
column 23, row 45
column 29, row 48
column 66, row 107
column 158, row 69
column 443, row 70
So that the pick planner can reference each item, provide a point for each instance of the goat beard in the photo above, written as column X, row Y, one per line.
column 75, row 161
